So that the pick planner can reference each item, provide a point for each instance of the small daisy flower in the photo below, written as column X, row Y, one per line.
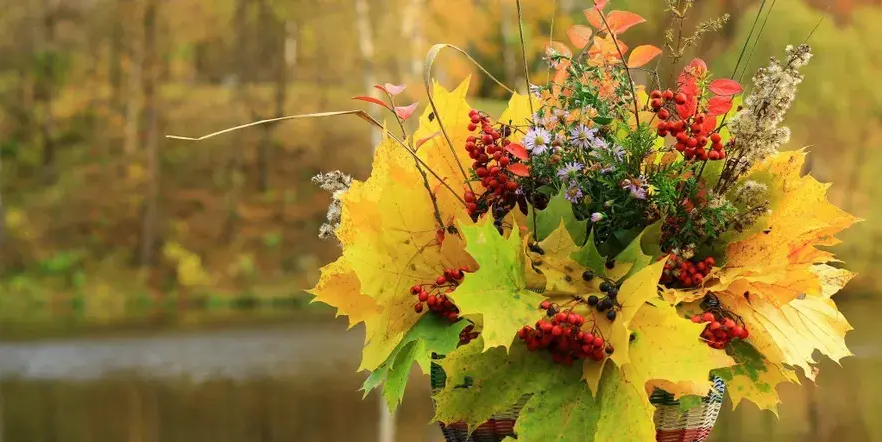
column 596, row 217
column 573, row 194
column 583, row 137
column 571, row 169
column 537, row 140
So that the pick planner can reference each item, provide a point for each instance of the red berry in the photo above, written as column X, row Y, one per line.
column 545, row 305
column 696, row 319
column 668, row 94
column 418, row 307
column 728, row 323
column 713, row 155
column 598, row 342
column 482, row 172
column 710, row 261
column 682, row 137
column 702, row 140
column 511, row 186
column 440, row 280
column 415, row 289
column 504, row 161
column 664, row 114
column 487, row 139
column 714, row 326
column 573, row 318
column 691, row 142
column 472, row 127
column 744, row 334
column 423, row 296
column 432, row 300
column 707, row 317
column 560, row 317
column 655, row 103
column 680, row 146
column 715, row 138
column 680, row 98
column 655, row 94
column 556, row 330
column 722, row 154
column 469, row 197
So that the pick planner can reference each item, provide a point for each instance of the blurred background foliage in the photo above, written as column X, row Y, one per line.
column 100, row 211
column 104, row 221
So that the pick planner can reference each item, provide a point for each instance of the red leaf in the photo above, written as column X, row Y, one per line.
column 709, row 124
column 404, row 112
column 621, row 21
column 517, row 150
column 719, row 105
column 519, row 169
column 580, row 35
column 725, row 87
column 373, row 100
column 422, row 141
column 642, row 55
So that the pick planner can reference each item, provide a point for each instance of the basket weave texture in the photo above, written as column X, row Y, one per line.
column 671, row 424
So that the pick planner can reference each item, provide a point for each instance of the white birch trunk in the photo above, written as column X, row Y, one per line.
column 366, row 49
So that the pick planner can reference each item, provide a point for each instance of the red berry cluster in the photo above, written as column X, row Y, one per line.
column 491, row 164
column 684, row 273
column 436, row 295
column 691, row 134
column 563, row 337
column 720, row 328
column 468, row 334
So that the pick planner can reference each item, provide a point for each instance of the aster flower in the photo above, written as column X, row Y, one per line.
column 537, row 140
column 583, row 137
column 570, row 170
column 596, row 217
column 573, row 194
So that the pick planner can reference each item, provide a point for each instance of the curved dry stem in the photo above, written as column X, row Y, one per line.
column 357, row 112
column 427, row 82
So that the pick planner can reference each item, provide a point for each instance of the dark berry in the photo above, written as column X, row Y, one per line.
column 612, row 292
column 593, row 300
column 587, row 275
column 611, row 315
column 610, row 264
column 606, row 304
column 605, row 286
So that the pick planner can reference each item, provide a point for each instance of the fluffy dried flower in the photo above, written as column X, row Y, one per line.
column 337, row 183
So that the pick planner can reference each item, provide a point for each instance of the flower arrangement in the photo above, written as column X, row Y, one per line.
column 597, row 241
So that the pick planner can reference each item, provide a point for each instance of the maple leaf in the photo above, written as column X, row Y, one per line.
column 753, row 378
column 548, row 219
column 518, row 114
column 431, row 334
column 561, row 406
column 661, row 334
column 338, row 287
column 497, row 291
column 776, row 278
column 389, row 241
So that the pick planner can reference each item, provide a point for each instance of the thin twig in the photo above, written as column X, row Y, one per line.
column 359, row 113
column 551, row 39
column 417, row 163
column 532, row 112
column 757, row 40
column 747, row 41
column 625, row 64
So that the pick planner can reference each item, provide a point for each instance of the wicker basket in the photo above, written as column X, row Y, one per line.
column 671, row 424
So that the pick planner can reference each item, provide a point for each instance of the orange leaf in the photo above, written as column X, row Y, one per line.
column 373, row 100
column 517, row 150
column 519, row 169
column 725, row 87
column 642, row 55
column 560, row 76
column 422, row 141
column 621, row 21
column 594, row 18
column 560, row 49
column 580, row 35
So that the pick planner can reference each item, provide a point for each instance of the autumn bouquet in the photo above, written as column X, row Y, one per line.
column 598, row 242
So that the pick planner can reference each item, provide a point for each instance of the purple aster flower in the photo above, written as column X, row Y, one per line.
column 596, row 217
column 607, row 170
column 583, row 137
column 573, row 194
column 537, row 140
column 618, row 152
column 637, row 192
column 570, row 169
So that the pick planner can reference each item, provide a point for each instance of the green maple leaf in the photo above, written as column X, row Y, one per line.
column 431, row 334
column 588, row 256
column 548, row 219
column 497, row 291
column 560, row 407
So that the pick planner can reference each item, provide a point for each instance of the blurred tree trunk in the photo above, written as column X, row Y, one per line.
column 414, row 11
column 134, row 62
column 366, row 50
column 241, row 67
column 47, row 56
column 151, row 141
column 510, row 43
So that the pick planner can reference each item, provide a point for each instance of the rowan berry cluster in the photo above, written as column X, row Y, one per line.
column 691, row 132
column 491, row 165
column 562, row 335
column 434, row 295
column 720, row 329
column 685, row 273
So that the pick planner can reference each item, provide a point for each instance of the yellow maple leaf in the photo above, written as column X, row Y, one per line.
column 338, row 287
column 388, row 234
column 776, row 280
column 667, row 352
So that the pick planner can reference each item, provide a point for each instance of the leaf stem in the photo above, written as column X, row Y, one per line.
column 625, row 64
